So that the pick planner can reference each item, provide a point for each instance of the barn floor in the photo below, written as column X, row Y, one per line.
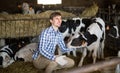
column 22, row 67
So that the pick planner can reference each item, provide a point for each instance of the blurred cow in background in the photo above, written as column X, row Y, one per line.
column 2, row 42
column 8, row 51
column 112, row 30
column 27, row 9
column 25, row 53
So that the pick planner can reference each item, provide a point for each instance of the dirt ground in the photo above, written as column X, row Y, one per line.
column 27, row 67
column 22, row 67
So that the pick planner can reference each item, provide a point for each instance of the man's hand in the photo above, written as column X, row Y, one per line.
column 60, row 60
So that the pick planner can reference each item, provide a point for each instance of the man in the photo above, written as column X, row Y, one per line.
column 48, row 39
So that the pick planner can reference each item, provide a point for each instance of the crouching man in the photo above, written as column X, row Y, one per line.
column 44, row 56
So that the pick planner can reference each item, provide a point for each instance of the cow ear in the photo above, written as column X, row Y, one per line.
column 108, row 27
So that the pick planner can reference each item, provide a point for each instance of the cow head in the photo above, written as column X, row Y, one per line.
column 76, row 41
column 63, row 26
column 71, row 26
column 112, row 30
column 5, row 59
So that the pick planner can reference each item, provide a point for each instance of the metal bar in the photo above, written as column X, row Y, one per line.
column 93, row 67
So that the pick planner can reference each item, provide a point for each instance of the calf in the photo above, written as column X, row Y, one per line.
column 112, row 30
column 112, row 26
column 26, row 52
column 7, row 53
column 92, row 40
column 74, row 25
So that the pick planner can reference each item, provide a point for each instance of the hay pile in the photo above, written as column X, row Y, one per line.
column 22, row 28
column 27, row 67
column 45, row 14
column 20, row 67
column 19, row 25
column 91, row 11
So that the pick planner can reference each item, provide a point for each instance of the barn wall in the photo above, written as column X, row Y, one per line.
column 11, row 5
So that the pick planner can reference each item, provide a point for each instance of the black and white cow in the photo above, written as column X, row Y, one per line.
column 112, row 30
column 74, row 25
column 92, row 40
column 7, row 53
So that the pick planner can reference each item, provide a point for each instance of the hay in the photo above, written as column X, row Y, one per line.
column 45, row 14
column 20, row 67
column 27, row 67
column 91, row 11
column 22, row 28
column 19, row 25
column 64, row 14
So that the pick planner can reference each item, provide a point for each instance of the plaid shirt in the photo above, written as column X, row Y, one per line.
column 49, row 38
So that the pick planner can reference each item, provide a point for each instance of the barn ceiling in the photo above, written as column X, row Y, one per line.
column 7, row 5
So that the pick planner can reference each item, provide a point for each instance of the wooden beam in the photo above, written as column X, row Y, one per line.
column 93, row 67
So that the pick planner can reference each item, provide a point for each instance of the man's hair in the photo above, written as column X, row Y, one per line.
column 55, row 14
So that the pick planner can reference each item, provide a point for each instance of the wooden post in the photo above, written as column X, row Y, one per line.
column 93, row 67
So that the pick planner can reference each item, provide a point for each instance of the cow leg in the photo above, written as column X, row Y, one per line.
column 94, row 55
column 90, row 53
column 74, row 53
column 99, row 51
column 83, row 56
column 102, row 46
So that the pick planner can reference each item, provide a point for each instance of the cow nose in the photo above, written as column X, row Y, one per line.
column 1, row 60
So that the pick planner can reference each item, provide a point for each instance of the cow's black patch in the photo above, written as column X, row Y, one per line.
column 90, row 37
column 99, row 25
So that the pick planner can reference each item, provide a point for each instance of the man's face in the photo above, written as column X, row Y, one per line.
column 56, row 21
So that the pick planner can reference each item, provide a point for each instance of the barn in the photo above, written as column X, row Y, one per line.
column 22, row 21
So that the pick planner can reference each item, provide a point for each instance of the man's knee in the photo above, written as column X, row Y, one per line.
column 70, row 63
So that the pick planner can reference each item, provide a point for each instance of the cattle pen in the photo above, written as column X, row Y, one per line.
column 31, row 27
